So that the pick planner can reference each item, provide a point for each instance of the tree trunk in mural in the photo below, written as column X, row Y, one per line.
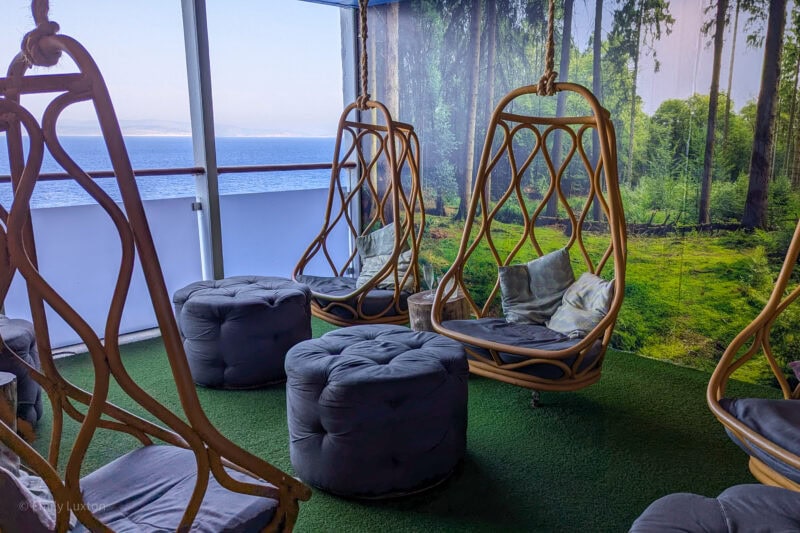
column 634, row 80
column 790, row 135
column 791, row 56
column 638, row 25
column 392, row 60
column 473, row 83
column 793, row 145
column 561, row 102
column 726, row 124
column 755, row 207
column 776, row 126
column 597, row 87
column 713, row 99
column 491, row 58
column 795, row 177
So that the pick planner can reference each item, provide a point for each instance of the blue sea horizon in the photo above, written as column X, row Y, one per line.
column 147, row 152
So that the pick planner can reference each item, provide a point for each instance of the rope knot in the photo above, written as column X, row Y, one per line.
column 361, row 102
column 547, row 84
column 35, row 54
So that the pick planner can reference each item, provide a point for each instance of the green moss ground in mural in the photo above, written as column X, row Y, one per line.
column 686, row 297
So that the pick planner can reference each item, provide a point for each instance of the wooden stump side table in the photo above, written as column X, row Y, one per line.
column 421, row 303
column 8, row 416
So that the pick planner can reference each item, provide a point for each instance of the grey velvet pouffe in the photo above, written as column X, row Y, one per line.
column 742, row 508
column 19, row 337
column 376, row 411
column 236, row 331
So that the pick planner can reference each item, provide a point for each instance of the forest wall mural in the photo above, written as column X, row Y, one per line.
column 704, row 99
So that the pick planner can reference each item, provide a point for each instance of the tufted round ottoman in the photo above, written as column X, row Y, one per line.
column 236, row 331
column 376, row 411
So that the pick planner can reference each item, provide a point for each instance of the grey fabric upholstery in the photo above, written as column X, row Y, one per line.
column 18, row 335
column 532, row 292
column 148, row 489
column 374, row 303
column 584, row 304
column 742, row 508
column 375, row 250
column 236, row 331
column 376, row 411
column 777, row 420
column 523, row 336
column 21, row 510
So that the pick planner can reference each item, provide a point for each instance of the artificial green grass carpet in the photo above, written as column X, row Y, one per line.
column 584, row 461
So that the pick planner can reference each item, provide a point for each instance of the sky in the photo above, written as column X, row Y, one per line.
column 686, row 60
column 276, row 64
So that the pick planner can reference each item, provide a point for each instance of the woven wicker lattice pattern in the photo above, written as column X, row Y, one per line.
column 536, row 174
column 385, row 189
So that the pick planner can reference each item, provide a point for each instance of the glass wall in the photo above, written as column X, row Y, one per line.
column 139, row 49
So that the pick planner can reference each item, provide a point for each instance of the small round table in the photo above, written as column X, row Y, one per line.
column 421, row 303
column 20, row 339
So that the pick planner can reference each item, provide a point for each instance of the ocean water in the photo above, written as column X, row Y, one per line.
column 171, row 152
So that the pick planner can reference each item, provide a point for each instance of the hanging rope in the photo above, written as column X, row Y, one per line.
column 363, row 98
column 34, row 53
column 547, row 83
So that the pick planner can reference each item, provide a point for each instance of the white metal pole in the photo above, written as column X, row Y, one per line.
column 198, row 68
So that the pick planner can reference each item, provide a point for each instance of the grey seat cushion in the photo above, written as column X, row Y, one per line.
column 377, row 410
column 19, row 336
column 777, row 420
column 148, row 489
column 742, row 508
column 236, row 331
column 523, row 336
column 375, row 301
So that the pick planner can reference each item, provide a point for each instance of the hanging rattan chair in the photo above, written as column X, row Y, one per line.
column 185, row 472
column 768, row 430
column 381, row 213
column 518, row 175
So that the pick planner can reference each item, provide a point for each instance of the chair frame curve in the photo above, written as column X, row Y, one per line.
column 750, row 342
column 213, row 451
column 610, row 201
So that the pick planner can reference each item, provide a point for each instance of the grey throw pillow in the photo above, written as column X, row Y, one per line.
column 28, row 504
column 531, row 293
column 583, row 306
column 22, row 509
column 375, row 250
